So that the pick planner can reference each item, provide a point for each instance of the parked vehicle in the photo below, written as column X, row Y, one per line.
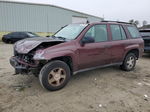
column 15, row 36
column 145, row 33
column 77, row 48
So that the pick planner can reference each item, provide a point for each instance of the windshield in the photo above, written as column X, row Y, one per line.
column 144, row 34
column 71, row 31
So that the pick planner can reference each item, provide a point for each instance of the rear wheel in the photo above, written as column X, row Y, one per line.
column 54, row 75
column 129, row 62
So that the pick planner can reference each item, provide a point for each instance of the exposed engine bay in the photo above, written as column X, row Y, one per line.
column 24, row 51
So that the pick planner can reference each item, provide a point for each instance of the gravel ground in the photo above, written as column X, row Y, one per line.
column 101, row 90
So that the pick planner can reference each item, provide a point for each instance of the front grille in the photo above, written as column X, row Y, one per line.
column 27, row 58
column 15, row 52
column 146, row 43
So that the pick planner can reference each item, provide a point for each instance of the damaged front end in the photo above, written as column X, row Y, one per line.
column 24, row 64
column 24, row 52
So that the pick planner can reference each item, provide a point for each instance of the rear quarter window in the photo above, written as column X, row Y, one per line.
column 133, row 31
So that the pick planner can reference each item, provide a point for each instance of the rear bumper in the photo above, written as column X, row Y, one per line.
column 22, row 67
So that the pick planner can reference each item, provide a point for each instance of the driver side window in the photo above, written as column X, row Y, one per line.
column 98, row 33
column 90, row 32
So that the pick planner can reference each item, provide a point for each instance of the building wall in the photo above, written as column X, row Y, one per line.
column 36, row 18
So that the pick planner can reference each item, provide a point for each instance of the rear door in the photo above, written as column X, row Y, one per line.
column 118, row 36
column 96, row 53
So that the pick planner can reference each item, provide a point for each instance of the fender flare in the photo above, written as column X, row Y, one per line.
column 129, row 48
column 43, row 55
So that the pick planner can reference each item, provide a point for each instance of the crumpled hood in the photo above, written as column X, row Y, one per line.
column 26, row 45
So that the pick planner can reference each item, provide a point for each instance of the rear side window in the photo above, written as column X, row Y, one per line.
column 133, row 31
column 117, row 32
column 123, row 33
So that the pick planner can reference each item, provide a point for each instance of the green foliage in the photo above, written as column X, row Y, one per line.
column 135, row 22
column 44, row 34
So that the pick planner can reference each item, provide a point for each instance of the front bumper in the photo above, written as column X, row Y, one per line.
column 4, row 39
column 146, row 45
column 147, row 49
column 22, row 67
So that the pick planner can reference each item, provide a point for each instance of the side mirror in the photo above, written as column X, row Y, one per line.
column 87, row 39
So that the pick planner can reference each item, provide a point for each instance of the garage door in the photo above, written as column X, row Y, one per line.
column 79, row 19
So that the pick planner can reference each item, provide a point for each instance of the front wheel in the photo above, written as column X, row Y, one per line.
column 129, row 62
column 54, row 75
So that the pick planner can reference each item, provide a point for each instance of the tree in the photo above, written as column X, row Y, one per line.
column 135, row 22
column 131, row 21
column 144, row 22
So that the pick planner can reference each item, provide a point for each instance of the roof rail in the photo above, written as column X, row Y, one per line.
column 116, row 22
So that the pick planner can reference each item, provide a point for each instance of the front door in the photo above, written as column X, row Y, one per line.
column 96, row 53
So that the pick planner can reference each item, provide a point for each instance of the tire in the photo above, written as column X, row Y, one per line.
column 129, row 62
column 3, row 39
column 8, row 41
column 54, row 75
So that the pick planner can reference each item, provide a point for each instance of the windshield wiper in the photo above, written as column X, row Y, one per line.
column 63, row 38
column 59, row 37
column 53, row 36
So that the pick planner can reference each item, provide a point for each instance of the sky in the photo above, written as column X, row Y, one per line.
column 116, row 10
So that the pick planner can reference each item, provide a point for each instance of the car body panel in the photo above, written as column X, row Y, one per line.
column 89, row 55
column 94, row 54
column 26, row 45
column 67, row 49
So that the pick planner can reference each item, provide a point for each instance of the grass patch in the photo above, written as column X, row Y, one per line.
column 43, row 34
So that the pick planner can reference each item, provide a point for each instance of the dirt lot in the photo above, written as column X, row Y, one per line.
column 101, row 90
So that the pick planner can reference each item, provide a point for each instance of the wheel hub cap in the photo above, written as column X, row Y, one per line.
column 130, row 62
column 56, row 76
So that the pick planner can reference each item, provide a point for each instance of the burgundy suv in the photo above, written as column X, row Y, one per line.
column 76, row 48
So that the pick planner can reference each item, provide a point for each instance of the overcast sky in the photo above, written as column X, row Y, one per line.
column 122, row 10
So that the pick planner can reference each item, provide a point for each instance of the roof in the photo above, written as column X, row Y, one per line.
column 118, row 22
column 20, row 2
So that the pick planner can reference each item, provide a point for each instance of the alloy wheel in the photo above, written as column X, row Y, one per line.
column 57, row 76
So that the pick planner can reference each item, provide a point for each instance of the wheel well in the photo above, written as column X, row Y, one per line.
column 67, row 60
column 135, row 51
